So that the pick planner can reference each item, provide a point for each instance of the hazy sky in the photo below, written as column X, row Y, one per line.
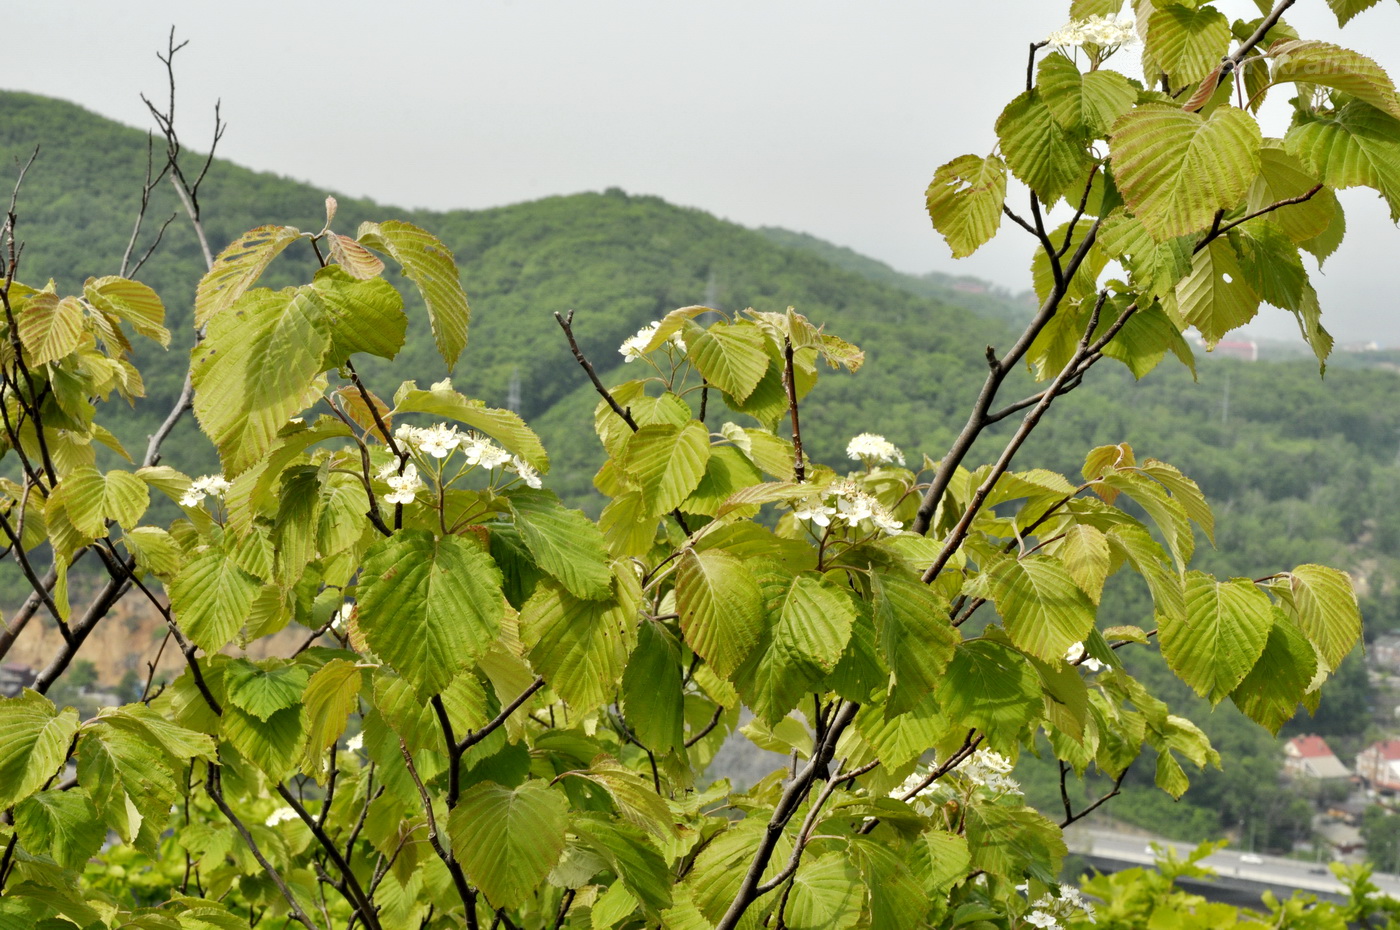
column 825, row 116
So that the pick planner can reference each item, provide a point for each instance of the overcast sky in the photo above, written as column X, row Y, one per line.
column 824, row 116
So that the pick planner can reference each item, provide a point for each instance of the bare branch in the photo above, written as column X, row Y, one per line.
column 471, row 739
column 215, row 791
column 799, row 466
column 566, row 323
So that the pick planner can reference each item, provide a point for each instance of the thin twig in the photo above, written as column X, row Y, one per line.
column 799, row 466
column 464, row 890
column 705, row 731
column 215, row 791
column 476, row 736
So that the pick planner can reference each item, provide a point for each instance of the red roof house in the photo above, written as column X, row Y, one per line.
column 1310, row 756
column 1379, row 764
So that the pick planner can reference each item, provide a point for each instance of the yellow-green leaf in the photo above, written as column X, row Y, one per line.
column 964, row 200
column 238, row 267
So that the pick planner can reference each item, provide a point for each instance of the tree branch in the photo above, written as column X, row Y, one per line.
column 999, row 369
column 791, row 799
column 472, row 738
column 566, row 323
column 215, row 791
column 799, row 465
column 959, row 533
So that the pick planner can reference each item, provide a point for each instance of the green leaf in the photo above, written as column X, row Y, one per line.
column 1307, row 61
column 1270, row 693
column 666, row 462
column 896, row 900
column 154, row 551
column 61, row 824
column 1282, row 177
column 1216, row 297
column 826, row 895
column 34, row 740
column 810, row 626
column 429, row 606
column 1014, row 842
column 263, row 690
column 365, row 315
column 211, row 598
column 257, row 368
column 1175, row 169
column 1187, row 42
column 636, row 799
column 273, row 745
column 429, row 264
column 564, row 542
column 721, row 607
column 731, row 356
column 1358, row 146
column 727, row 472
column 1153, row 267
column 130, row 784
column 914, row 637
column 1324, row 603
column 1043, row 609
column 504, row 426
column 652, row 692
column 1044, row 155
column 1169, row 514
column 49, row 327
column 1222, row 636
column 1346, row 9
column 1272, row 266
column 1184, row 491
column 991, row 687
column 964, row 200
column 509, row 839
column 131, row 301
column 1092, row 101
column 632, row 857
column 1084, row 550
column 579, row 646
column 1144, row 340
column 90, row 498
column 237, row 267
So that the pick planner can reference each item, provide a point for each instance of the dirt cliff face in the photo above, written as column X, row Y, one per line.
column 129, row 638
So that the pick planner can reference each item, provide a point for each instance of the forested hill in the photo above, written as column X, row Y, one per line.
column 618, row 261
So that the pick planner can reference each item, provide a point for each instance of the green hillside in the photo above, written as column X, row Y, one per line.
column 1299, row 469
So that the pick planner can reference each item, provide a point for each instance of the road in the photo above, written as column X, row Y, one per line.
column 1228, row 863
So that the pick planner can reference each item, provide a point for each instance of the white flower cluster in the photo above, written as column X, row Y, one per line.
column 852, row 506
column 990, row 770
column 402, row 488
column 870, row 448
column 926, row 798
column 635, row 347
column 440, row 440
column 1049, row 911
column 1101, row 31
column 206, row 486
column 356, row 742
column 1075, row 656
column 281, row 815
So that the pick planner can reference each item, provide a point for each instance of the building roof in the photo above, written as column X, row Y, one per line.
column 1385, row 749
column 1310, row 747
